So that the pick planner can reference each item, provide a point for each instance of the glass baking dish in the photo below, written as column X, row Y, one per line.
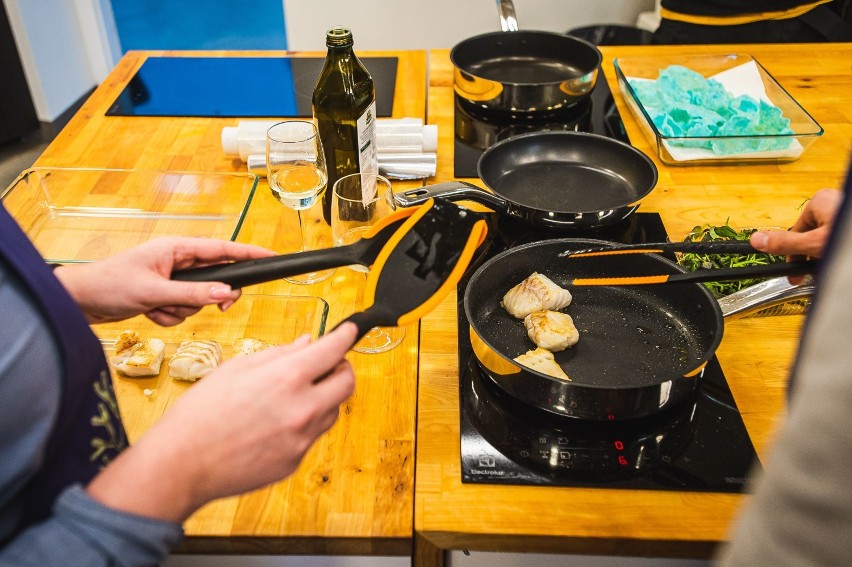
column 740, row 74
column 81, row 215
column 274, row 319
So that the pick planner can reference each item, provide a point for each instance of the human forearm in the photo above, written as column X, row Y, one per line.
column 137, row 280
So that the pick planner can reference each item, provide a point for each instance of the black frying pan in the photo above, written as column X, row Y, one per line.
column 641, row 349
column 562, row 180
column 523, row 71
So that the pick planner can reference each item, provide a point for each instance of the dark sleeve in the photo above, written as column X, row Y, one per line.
column 82, row 532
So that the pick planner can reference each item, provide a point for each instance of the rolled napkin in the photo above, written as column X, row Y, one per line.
column 407, row 148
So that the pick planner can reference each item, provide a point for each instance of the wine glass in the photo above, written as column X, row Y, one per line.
column 298, row 177
column 358, row 202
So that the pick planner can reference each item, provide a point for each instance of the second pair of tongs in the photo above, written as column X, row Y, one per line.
column 709, row 275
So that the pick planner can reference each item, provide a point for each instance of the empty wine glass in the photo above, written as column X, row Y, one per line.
column 298, row 177
column 358, row 202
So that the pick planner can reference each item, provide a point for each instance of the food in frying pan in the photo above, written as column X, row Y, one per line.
column 536, row 293
column 541, row 360
column 136, row 357
column 194, row 360
column 246, row 346
column 552, row 330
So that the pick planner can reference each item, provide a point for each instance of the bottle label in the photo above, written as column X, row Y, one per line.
column 368, row 159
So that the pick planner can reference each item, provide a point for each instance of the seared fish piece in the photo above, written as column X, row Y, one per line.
column 536, row 293
column 248, row 346
column 136, row 357
column 552, row 330
column 194, row 360
column 542, row 360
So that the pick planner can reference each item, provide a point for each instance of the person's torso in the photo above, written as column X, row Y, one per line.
column 735, row 11
column 87, row 432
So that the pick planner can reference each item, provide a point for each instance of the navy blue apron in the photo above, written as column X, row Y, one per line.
column 88, row 432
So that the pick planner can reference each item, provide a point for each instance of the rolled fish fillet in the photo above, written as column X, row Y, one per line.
column 536, row 293
column 542, row 361
column 552, row 330
column 246, row 346
column 137, row 357
column 194, row 360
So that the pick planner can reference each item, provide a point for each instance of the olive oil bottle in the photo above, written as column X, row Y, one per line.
column 344, row 107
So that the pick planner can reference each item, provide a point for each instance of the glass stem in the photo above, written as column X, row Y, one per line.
column 304, row 237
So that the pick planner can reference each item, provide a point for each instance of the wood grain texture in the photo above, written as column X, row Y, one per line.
column 755, row 353
column 353, row 493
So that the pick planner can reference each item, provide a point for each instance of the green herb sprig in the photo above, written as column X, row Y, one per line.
column 706, row 233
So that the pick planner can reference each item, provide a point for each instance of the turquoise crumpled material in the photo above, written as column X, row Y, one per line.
column 683, row 104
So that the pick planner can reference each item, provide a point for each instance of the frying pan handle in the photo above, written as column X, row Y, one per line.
column 250, row 272
column 452, row 191
column 771, row 293
column 506, row 10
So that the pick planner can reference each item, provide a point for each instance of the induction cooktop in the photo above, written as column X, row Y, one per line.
column 700, row 444
column 238, row 86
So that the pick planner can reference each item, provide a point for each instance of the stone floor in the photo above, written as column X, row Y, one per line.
column 18, row 155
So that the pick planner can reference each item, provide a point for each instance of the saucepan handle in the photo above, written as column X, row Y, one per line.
column 452, row 191
column 506, row 10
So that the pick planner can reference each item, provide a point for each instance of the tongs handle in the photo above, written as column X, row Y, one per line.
column 708, row 247
column 711, row 275
column 797, row 268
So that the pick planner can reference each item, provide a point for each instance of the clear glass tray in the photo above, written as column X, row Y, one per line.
column 80, row 215
column 275, row 319
column 740, row 74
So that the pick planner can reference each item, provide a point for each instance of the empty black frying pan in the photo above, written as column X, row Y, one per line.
column 562, row 180
column 641, row 348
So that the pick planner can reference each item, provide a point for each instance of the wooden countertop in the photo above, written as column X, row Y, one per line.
column 353, row 493
column 755, row 353
column 355, row 490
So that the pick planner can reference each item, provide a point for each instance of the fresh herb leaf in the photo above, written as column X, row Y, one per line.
column 706, row 233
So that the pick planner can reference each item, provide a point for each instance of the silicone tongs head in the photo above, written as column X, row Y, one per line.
column 421, row 263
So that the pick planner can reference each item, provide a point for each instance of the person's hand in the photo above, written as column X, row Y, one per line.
column 137, row 280
column 810, row 232
column 245, row 425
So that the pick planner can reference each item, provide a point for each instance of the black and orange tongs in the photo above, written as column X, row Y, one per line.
column 795, row 268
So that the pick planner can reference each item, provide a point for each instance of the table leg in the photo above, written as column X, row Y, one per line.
column 426, row 554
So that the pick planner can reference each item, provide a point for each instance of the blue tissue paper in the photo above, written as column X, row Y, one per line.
column 683, row 104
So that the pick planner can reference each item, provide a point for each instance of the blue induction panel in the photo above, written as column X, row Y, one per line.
column 237, row 86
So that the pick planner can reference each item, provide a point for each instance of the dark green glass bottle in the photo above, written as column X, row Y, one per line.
column 344, row 107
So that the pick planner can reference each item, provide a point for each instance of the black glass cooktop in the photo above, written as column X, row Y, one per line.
column 237, row 86
column 698, row 445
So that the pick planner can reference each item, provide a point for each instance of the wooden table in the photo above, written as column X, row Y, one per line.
column 354, row 491
column 755, row 354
